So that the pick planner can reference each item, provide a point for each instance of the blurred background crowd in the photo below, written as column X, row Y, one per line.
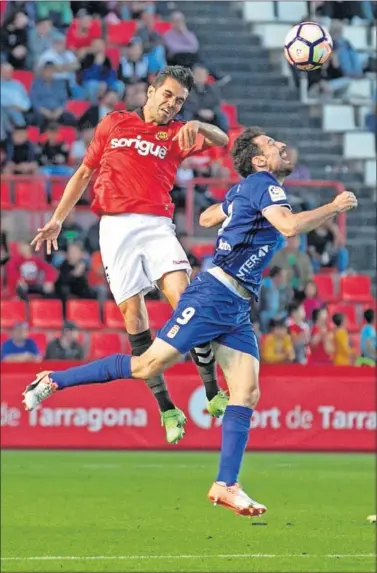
column 65, row 65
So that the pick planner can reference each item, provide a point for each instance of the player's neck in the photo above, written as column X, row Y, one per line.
column 147, row 115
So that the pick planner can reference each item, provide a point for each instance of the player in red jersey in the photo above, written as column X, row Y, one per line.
column 136, row 155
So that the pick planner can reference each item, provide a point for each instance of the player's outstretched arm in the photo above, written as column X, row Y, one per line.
column 212, row 216
column 213, row 135
column 72, row 193
column 290, row 224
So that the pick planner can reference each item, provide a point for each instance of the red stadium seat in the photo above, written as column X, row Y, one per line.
column 25, row 77
column 112, row 315
column 85, row 313
column 355, row 342
column 113, row 53
column 6, row 199
column 104, row 343
column 3, row 337
column 120, row 33
column 67, row 134
column 46, row 314
column 30, row 195
column 33, row 134
column 12, row 311
column 202, row 250
column 326, row 288
column 217, row 192
column 40, row 338
column 162, row 27
column 57, row 189
column 356, row 288
column 233, row 134
column 230, row 111
column 77, row 107
column 350, row 312
column 159, row 312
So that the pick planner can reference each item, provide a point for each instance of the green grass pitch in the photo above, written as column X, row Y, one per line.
column 143, row 511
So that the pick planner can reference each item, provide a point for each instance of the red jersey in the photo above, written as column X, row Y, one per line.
column 32, row 270
column 318, row 354
column 137, row 164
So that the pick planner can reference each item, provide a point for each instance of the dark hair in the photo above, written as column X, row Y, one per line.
column 179, row 73
column 315, row 315
column 276, row 323
column 244, row 149
column 52, row 126
column 295, row 305
column 274, row 272
column 338, row 319
column 369, row 315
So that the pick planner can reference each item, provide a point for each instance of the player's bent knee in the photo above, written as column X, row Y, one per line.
column 155, row 360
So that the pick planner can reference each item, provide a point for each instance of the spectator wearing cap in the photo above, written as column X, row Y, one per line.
column 204, row 102
column 277, row 345
column 41, row 38
column 15, row 102
column 49, row 96
column 274, row 297
column 20, row 348
column 66, row 64
column 153, row 43
column 181, row 44
column 97, row 74
column 134, row 65
column 14, row 40
column 66, row 346
column 54, row 153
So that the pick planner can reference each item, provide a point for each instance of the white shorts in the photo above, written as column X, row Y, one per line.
column 137, row 250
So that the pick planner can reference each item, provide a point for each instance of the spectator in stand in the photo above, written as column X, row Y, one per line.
column 4, row 250
column 277, row 345
column 22, row 154
column 97, row 74
column 135, row 10
column 299, row 331
column 96, row 8
column 311, row 301
column 321, row 339
column 326, row 246
column 59, row 12
column 49, row 97
column 96, row 112
column 80, row 146
column 295, row 262
column 81, row 33
column 351, row 62
column 204, row 102
column 66, row 346
column 181, row 44
column 338, row 10
column 330, row 80
column 72, row 280
column 66, row 65
column 14, row 6
column 15, row 102
column 92, row 238
column 20, row 348
column 274, row 297
column 54, row 153
column 28, row 273
column 344, row 354
column 14, row 40
column 136, row 96
column 71, row 233
column 368, row 340
column 41, row 38
column 134, row 65
column 300, row 171
column 153, row 43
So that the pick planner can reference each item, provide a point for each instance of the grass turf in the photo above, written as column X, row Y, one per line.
column 148, row 512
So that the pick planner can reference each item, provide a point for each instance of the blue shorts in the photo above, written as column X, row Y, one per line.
column 209, row 311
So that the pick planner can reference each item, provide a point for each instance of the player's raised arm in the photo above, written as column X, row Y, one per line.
column 213, row 135
column 212, row 216
column 290, row 224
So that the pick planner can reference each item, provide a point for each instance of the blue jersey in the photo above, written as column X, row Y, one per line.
column 247, row 241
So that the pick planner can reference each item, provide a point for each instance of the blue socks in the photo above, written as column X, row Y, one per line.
column 104, row 370
column 235, row 434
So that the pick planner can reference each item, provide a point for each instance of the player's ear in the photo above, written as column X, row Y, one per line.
column 150, row 91
column 259, row 161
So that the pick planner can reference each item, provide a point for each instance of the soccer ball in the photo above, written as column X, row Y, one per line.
column 308, row 46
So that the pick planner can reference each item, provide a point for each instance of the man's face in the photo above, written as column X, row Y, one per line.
column 110, row 100
column 70, row 335
column 48, row 72
column 59, row 46
column 148, row 19
column 273, row 156
column 44, row 27
column 6, row 71
column 323, row 316
column 19, row 136
column 280, row 331
column 200, row 75
column 135, row 51
column 166, row 100
column 178, row 21
column 98, row 46
column 74, row 254
column 20, row 332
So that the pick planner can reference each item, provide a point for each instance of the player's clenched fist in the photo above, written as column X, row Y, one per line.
column 186, row 136
column 48, row 233
column 345, row 202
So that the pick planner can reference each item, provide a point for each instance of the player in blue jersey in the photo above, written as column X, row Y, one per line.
column 216, row 306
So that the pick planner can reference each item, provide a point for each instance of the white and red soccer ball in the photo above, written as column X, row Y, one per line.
column 308, row 46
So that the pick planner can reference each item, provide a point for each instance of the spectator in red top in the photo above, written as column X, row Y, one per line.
column 299, row 331
column 312, row 300
column 81, row 33
column 30, row 274
column 321, row 347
